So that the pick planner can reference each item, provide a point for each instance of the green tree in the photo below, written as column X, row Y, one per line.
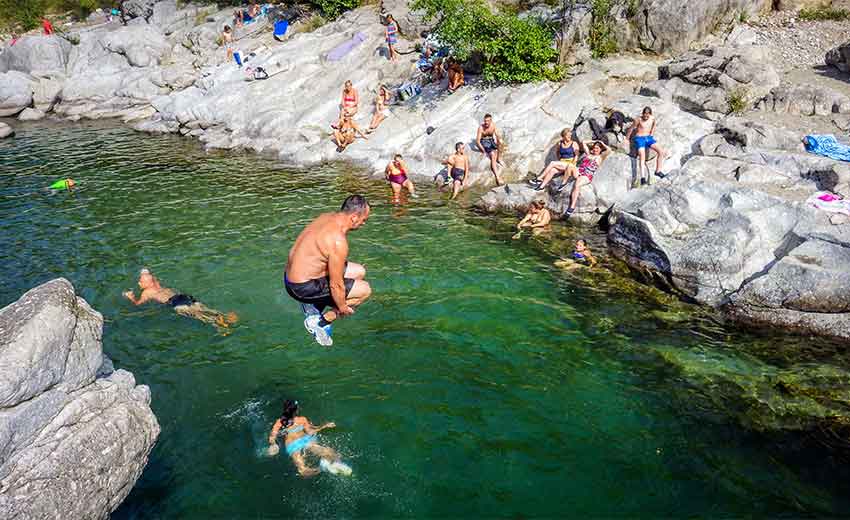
column 513, row 49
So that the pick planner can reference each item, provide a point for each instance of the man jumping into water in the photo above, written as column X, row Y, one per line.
column 318, row 273
column 183, row 304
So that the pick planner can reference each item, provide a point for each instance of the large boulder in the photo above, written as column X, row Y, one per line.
column 839, row 57
column 805, row 100
column 143, row 46
column 66, row 416
column 716, row 81
column 36, row 54
column 15, row 92
column 6, row 131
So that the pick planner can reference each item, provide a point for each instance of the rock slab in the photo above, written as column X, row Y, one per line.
column 75, row 434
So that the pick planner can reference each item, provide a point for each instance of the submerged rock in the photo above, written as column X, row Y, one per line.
column 6, row 130
column 75, row 434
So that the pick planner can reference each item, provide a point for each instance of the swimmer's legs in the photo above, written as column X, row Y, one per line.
column 301, row 465
column 323, row 452
column 355, row 270
column 201, row 312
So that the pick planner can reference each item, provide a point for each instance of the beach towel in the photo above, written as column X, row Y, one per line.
column 829, row 202
column 342, row 50
column 827, row 146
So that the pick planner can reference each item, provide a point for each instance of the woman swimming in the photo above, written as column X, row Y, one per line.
column 568, row 151
column 595, row 153
column 581, row 257
column 537, row 218
column 299, row 438
column 381, row 111
column 396, row 174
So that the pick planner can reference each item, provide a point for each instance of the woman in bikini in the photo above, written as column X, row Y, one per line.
column 299, row 438
column 345, row 134
column 581, row 257
column 568, row 151
column 392, row 36
column 348, row 104
column 537, row 218
column 595, row 153
column 381, row 111
column 396, row 174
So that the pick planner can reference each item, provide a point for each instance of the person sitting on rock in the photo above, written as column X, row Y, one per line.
column 183, row 304
column 595, row 153
column 349, row 102
column 536, row 219
column 454, row 70
column 396, row 174
column 382, row 100
column 299, row 438
column 48, row 27
column 458, row 165
column 581, row 257
column 488, row 142
column 568, row 151
column 346, row 133
column 641, row 130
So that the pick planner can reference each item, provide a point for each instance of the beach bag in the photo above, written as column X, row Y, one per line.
column 408, row 91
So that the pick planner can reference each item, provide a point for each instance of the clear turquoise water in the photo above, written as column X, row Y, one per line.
column 478, row 382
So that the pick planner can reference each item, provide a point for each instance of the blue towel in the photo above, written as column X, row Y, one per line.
column 280, row 27
column 827, row 146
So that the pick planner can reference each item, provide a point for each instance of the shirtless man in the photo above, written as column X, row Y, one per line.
column 488, row 142
column 183, row 304
column 458, row 164
column 318, row 273
column 642, row 129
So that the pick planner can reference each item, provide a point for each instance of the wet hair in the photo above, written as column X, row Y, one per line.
column 486, row 116
column 539, row 204
column 647, row 110
column 290, row 408
column 458, row 146
column 583, row 241
column 354, row 204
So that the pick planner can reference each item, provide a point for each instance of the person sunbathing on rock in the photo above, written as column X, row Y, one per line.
column 299, row 438
column 641, row 130
column 488, row 142
column 536, row 219
column 183, row 304
column 458, row 165
column 382, row 100
column 455, row 73
column 581, row 257
column 568, row 151
column 595, row 153
column 348, row 104
column 346, row 133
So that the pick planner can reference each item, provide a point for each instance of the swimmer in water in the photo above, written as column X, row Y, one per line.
column 537, row 218
column 396, row 174
column 581, row 257
column 299, row 438
column 318, row 273
column 183, row 304
column 64, row 184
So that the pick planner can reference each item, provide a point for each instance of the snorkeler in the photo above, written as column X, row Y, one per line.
column 581, row 257
column 318, row 273
column 299, row 438
column 183, row 304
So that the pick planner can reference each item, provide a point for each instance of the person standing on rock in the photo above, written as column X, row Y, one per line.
column 488, row 143
column 568, row 151
column 458, row 165
column 183, row 304
column 318, row 273
column 48, row 27
column 227, row 41
column 392, row 37
column 641, row 130
column 595, row 153
column 396, row 174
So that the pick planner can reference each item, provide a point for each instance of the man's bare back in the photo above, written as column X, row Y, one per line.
column 308, row 258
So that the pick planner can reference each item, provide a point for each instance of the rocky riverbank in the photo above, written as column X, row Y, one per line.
column 75, row 433
column 728, row 227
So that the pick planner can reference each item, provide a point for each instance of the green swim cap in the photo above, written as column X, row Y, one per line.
column 60, row 185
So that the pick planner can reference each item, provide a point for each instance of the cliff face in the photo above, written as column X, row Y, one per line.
column 75, row 434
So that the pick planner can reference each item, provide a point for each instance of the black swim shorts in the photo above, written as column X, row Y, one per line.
column 458, row 174
column 316, row 292
column 181, row 299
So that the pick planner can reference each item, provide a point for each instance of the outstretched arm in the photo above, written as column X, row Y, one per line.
column 524, row 221
column 143, row 298
column 312, row 429
column 275, row 431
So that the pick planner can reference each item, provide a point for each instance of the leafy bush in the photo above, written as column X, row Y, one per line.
column 601, row 37
column 27, row 14
column 823, row 13
column 512, row 49
column 333, row 8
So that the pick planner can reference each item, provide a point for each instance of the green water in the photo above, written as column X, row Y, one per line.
column 478, row 381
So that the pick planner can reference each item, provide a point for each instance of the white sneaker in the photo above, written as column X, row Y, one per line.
column 322, row 334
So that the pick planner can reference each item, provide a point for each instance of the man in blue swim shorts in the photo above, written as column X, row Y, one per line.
column 641, row 132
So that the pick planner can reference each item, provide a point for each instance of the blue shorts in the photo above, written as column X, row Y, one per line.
column 299, row 444
column 644, row 141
